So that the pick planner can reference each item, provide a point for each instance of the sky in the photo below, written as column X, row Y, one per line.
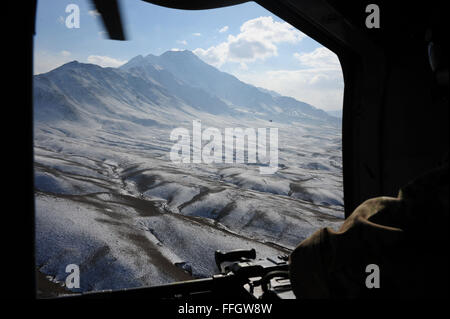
column 245, row 40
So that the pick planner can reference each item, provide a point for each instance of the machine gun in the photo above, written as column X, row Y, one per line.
column 242, row 276
column 263, row 278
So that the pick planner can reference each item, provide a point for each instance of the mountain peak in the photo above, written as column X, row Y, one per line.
column 68, row 65
column 182, row 56
column 136, row 61
column 80, row 65
column 137, row 58
column 182, row 76
column 72, row 63
column 179, row 53
column 170, row 57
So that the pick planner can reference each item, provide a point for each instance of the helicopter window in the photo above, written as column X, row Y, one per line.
column 206, row 130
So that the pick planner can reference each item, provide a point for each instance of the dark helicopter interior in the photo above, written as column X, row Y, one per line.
column 395, row 112
column 395, row 123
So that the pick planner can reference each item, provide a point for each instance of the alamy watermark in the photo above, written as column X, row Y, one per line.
column 373, row 19
column 73, row 17
column 73, row 277
column 236, row 145
column 373, row 279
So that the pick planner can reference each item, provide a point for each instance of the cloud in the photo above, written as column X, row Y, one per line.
column 243, row 66
column 257, row 40
column 94, row 13
column 320, row 58
column 65, row 53
column 318, row 81
column 197, row 34
column 105, row 61
column 216, row 55
column 175, row 49
column 183, row 42
column 320, row 89
column 224, row 29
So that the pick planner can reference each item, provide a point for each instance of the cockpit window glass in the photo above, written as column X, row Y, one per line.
column 205, row 130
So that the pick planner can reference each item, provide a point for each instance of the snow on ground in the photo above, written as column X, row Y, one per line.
column 112, row 202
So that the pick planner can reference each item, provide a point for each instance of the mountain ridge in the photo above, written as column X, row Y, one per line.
column 174, row 80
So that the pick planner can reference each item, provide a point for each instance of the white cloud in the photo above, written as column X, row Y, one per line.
column 105, row 61
column 65, row 53
column 257, row 40
column 224, row 29
column 318, row 82
column 183, row 42
column 175, row 49
column 94, row 13
column 197, row 34
column 320, row 58
column 322, row 90
column 243, row 66
column 216, row 55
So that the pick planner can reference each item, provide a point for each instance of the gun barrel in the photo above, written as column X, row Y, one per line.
column 234, row 255
column 177, row 289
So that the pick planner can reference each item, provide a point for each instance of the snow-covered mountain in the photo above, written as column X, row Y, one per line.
column 157, row 88
column 109, row 199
